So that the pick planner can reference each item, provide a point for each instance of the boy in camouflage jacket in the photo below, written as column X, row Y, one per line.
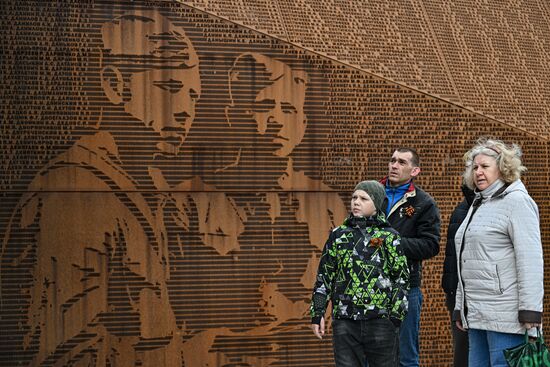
column 364, row 273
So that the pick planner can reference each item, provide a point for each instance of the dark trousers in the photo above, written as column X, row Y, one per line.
column 460, row 338
column 374, row 341
column 460, row 346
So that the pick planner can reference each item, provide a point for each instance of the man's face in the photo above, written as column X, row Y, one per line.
column 164, row 99
column 279, row 110
column 401, row 169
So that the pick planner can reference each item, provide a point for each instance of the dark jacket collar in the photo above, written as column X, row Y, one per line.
column 364, row 222
column 469, row 194
column 410, row 188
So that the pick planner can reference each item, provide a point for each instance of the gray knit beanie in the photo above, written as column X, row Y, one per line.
column 376, row 192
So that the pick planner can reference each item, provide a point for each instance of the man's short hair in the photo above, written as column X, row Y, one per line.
column 415, row 159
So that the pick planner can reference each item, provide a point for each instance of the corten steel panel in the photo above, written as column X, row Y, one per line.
column 484, row 55
column 169, row 179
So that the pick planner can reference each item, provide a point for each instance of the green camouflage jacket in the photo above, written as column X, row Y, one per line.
column 363, row 272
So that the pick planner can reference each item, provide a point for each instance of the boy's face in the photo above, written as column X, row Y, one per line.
column 362, row 204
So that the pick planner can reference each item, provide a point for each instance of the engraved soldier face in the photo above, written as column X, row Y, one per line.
column 273, row 95
column 164, row 99
column 153, row 70
column 278, row 109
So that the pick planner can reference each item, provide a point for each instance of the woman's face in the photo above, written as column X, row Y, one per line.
column 485, row 171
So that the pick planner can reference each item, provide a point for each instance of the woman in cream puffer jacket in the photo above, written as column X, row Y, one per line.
column 499, row 255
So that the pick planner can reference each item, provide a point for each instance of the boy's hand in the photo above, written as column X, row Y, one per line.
column 319, row 330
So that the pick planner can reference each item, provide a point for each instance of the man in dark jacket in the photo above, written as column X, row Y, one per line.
column 449, row 279
column 414, row 214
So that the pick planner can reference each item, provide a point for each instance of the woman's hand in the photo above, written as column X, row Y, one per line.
column 319, row 330
column 459, row 325
column 530, row 325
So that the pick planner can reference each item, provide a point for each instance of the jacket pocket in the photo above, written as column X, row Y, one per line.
column 507, row 278
column 498, row 283
column 480, row 279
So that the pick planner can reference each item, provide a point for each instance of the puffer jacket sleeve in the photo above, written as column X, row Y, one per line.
column 449, row 279
column 325, row 279
column 399, row 276
column 459, row 296
column 459, row 302
column 524, row 231
column 425, row 243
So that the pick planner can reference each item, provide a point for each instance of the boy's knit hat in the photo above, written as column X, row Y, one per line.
column 376, row 192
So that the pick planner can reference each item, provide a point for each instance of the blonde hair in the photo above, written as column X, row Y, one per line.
column 508, row 159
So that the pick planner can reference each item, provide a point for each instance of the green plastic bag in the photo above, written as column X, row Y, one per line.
column 528, row 354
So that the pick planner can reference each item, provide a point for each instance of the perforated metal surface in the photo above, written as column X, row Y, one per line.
column 126, row 242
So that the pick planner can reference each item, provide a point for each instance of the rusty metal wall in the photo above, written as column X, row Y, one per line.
column 170, row 172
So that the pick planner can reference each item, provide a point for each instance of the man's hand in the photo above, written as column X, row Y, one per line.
column 319, row 330
column 459, row 325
